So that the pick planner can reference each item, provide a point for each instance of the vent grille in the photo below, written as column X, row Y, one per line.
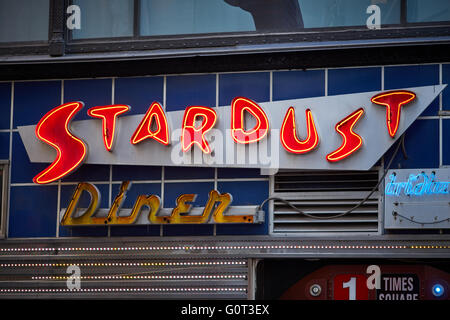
column 325, row 194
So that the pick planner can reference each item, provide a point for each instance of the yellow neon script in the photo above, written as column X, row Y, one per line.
column 213, row 212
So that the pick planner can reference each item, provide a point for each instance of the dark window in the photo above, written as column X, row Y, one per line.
column 428, row 10
column 24, row 20
column 115, row 18
column 345, row 13
column 162, row 17
column 104, row 19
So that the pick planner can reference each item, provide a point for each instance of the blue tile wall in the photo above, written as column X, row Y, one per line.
column 229, row 173
column 66, row 195
column 32, row 100
column 134, row 191
column 298, row 84
column 22, row 170
column 88, row 172
column 184, row 91
column 172, row 191
column 138, row 93
column 175, row 173
column 4, row 145
column 35, row 98
column 242, row 196
column 446, row 80
column 421, row 144
column 353, row 80
column 413, row 76
column 254, row 85
column 32, row 211
column 446, row 142
column 135, row 173
column 93, row 92
column 5, row 105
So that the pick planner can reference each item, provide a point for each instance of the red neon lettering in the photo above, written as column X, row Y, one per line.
column 352, row 141
column 108, row 114
column 191, row 134
column 238, row 132
column 393, row 100
column 161, row 134
column 53, row 129
column 288, row 133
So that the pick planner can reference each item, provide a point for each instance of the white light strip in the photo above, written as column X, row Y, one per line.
column 124, row 264
column 245, row 247
column 131, row 290
column 147, row 277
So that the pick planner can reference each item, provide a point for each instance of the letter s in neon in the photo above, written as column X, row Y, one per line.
column 53, row 129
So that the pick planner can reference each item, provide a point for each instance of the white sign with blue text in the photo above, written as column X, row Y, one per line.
column 417, row 199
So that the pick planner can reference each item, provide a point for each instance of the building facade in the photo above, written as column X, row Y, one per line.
column 325, row 204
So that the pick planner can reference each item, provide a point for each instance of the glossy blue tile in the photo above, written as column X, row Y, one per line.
column 133, row 193
column 89, row 172
column 353, row 80
column 5, row 105
column 421, row 144
column 22, row 170
column 298, row 84
column 176, row 173
column 134, row 173
column 245, row 193
column 398, row 77
column 32, row 100
column 138, row 93
column 230, row 173
column 446, row 93
column 254, row 85
column 93, row 92
column 33, row 211
column 172, row 191
column 184, row 91
column 4, row 145
column 81, row 231
column 446, row 142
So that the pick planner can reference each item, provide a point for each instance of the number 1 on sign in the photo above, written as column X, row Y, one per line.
column 351, row 285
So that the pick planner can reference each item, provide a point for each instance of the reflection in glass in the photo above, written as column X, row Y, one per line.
column 428, row 11
column 24, row 20
column 168, row 17
column 272, row 15
column 104, row 18
column 343, row 13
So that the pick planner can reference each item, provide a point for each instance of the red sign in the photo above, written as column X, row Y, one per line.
column 350, row 287
column 53, row 129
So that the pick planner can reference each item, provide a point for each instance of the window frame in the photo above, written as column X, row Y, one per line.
column 61, row 42
column 33, row 43
column 201, row 38
column 4, row 166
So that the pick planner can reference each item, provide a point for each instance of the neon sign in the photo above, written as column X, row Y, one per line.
column 54, row 130
column 351, row 141
column 154, row 113
column 109, row 115
column 416, row 185
column 238, row 132
column 299, row 143
column 217, row 209
column 193, row 134
column 393, row 100
column 288, row 134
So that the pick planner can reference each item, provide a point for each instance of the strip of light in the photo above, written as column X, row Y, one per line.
column 256, row 247
column 146, row 277
column 124, row 264
column 96, row 290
